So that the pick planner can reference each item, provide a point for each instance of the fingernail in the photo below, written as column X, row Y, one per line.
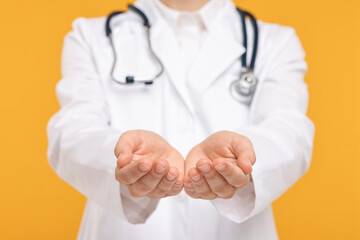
column 170, row 177
column 220, row 167
column 159, row 168
column 196, row 178
column 205, row 168
column 144, row 167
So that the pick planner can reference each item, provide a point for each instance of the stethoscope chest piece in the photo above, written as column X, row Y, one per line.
column 244, row 88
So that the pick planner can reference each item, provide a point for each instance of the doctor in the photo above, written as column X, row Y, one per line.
column 185, row 148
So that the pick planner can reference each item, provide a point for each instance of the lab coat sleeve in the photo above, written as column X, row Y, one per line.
column 280, row 131
column 81, row 139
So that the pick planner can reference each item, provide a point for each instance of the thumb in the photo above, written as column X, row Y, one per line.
column 244, row 161
column 244, row 152
column 124, row 149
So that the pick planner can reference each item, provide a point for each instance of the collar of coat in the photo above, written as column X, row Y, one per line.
column 221, row 48
column 205, row 15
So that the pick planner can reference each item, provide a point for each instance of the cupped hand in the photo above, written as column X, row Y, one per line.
column 218, row 166
column 148, row 165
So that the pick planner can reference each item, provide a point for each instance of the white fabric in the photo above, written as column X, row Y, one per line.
column 190, row 27
column 184, row 108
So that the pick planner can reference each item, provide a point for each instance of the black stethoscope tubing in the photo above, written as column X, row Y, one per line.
column 247, row 77
column 243, row 15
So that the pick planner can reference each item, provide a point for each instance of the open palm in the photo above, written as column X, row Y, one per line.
column 219, row 165
column 148, row 165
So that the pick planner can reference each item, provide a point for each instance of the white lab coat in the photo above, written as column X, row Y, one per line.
column 184, row 109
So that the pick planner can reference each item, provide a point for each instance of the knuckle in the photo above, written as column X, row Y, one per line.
column 238, row 181
column 189, row 189
column 196, row 196
column 242, row 182
column 124, row 181
column 213, row 197
column 155, row 195
column 190, row 192
column 177, row 187
column 242, row 177
column 171, row 193
column 134, row 194
column 146, row 184
column 144, row 188
column 238, row 184
column 218, row 186
column 174, row 192
column 208, row 195
column 121, row 179
column 141, row 188
column 156, row 176
column 228, row 195
column 198, row 185
column 202, row 192
column 221, row 191
column 164, row 187
column 210, row 175
column 161, row 192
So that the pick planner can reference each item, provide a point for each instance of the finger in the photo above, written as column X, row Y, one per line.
column 165, row 184
column 148, row 182
column 178, row 186
column 232, row 173
column 189, row 188
column 200, row 184
column 132, row 172
column 215, row 180
column 124, row 148
column 128, row 143
column 124, row 157
column 244, row 151
column 246, row 159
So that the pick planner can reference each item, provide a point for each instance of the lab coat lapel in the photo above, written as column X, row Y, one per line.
column 165, row 46
column 221, row 48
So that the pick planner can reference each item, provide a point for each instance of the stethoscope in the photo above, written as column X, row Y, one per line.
column 242, row 89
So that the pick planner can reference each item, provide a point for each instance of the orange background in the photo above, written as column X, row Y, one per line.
column 36, row 204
